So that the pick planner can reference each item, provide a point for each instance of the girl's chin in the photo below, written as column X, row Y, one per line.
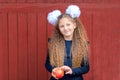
column 67, row 35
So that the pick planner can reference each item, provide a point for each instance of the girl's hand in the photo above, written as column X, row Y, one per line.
column 53, row 73
column 67, row 69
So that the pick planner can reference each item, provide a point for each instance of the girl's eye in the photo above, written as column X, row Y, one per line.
column 61, row 26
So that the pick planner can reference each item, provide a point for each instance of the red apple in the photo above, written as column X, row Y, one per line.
column 59, row 73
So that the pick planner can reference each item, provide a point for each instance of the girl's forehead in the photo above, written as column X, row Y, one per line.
column 66, row 19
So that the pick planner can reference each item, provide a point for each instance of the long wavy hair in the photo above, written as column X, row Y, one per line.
column 79, row 46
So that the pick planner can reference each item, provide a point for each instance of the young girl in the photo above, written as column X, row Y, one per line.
column 68, row 47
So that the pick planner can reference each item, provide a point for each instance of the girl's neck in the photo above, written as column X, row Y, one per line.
column 68, row 38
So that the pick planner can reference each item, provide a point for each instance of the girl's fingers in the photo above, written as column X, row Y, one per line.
column 54, row 75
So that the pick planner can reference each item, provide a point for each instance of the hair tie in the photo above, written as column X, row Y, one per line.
column 53, row 17
column 72, row 10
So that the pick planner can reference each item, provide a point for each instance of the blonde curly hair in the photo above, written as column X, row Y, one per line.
column 79, row 44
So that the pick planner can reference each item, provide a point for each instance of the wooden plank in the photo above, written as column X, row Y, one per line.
column 62, row 1
column 42, row 46
column 32, row 46
column 4, row 47
column 22, row 47
column 1, row 53
column 86, row 18
column 13, row 47
column 42, row 7
column 106, row 43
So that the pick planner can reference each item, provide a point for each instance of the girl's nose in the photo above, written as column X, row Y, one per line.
column 65, row 27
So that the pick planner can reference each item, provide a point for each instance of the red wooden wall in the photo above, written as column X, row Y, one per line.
column 24, row 32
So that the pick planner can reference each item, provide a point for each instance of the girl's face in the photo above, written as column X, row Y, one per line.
column 66, row 27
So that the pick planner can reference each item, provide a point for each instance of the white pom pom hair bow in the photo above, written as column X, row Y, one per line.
column 72, row 10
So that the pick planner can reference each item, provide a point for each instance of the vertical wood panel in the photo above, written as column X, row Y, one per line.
column 42, row 46
column 106, row 53
column 1, row 57
column 4, row 47
column 86, row 18
column 32, row 46
column 97, row 41
column 50, row 30
column 13, row 49
column 22, row 45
